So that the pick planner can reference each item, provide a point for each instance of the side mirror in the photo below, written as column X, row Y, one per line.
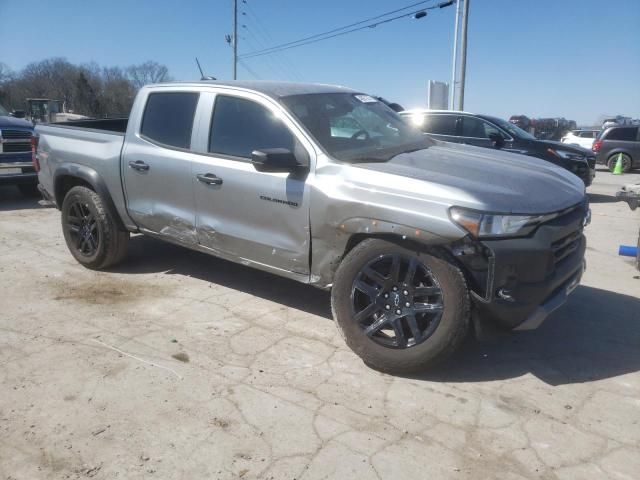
column 275, row 160
column 497, row 140
column 18, row 114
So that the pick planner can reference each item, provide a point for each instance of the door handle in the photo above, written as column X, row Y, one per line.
column 139, row 165
column 209, row 179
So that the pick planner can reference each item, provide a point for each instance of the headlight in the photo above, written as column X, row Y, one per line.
column 482, row 225
column 565, row 155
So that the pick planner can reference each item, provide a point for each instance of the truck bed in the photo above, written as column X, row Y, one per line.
column 117, row 125
column 83, row 147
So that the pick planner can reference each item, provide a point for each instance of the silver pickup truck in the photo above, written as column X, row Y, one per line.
column 417, row 239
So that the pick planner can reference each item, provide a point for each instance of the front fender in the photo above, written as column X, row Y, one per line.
column 332, row 242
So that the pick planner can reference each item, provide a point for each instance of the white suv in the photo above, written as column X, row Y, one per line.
column 581, row 138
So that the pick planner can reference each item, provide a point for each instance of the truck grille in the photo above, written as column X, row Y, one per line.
column 14, row 134
column 15, row 141
column 566, row 245
column 16, row 147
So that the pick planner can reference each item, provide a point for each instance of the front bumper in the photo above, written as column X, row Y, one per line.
column 586, row 173
column 525, row 279
column 557, row 299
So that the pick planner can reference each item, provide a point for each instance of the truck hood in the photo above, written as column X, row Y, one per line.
column 9, row 122
column 486, row 179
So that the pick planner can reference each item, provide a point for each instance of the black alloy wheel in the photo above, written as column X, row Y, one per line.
column 399, row 309
column 83, row 229
column 397, row 301
column 91, row 230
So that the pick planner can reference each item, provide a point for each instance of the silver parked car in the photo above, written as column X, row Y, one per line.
column 330, row 187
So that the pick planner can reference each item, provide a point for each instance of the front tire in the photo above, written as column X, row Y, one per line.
column 91, row 231
column 399, row 310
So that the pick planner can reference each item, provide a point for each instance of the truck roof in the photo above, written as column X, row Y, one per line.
column 271, row 88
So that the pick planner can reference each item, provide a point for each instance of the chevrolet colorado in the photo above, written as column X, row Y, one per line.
column 417, row 239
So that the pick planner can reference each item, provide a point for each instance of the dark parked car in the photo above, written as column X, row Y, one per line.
column 16, row 167
column 492, row 132
column 614, row 141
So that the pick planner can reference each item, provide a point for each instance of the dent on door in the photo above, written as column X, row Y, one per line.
column 160, row 195
column 256, row 217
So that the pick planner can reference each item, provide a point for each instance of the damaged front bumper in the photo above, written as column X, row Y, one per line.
column 517, row 283
column 557, row 299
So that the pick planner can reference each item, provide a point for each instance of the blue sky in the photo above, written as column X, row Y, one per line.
column 574, row 58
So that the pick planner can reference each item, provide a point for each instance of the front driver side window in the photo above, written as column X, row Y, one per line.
column 240, row 126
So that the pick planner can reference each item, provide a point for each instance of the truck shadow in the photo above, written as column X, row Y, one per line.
column 596, row 335
column 600, row 198
column 11, row 199
column 148, row 255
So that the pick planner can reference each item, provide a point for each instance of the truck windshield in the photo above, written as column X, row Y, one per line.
column 3, row 111
column 355, row 127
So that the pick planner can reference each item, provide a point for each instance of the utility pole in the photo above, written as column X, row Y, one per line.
column 235, row 39
column 463, row 52
column 454, row 72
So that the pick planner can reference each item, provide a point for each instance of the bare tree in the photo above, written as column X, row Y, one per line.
column 86, row 89
column 148, row 72
column 5, row 73
column 118, row 91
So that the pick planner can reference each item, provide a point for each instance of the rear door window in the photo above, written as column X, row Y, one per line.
column 168, row 118
column 240, row 126
column 476, row 128
column 472, row 127
column 440, row 124
column 628, row 134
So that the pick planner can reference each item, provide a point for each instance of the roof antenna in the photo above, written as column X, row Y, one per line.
column 202, row 75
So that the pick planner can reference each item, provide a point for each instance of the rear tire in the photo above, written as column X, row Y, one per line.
column 626, row 162
column 91, row 231
column 377, row 326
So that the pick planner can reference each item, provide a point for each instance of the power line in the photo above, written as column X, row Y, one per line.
column 248, row 69
column 265, row 38
column 253, row 41
column 276, row 69
column 371, row 25
column 305, row 39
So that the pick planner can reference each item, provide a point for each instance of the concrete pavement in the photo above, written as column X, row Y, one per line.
column 179, row 365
